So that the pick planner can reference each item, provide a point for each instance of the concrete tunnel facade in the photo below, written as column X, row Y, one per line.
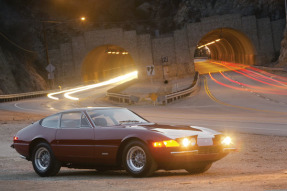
column 244, row 40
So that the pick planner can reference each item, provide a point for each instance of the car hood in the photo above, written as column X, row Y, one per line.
column 179, row 131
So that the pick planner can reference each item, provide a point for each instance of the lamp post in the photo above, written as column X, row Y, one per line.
column 50, row 68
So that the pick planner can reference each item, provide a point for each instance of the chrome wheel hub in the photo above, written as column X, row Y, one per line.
column 136, row 158
column 42, row 159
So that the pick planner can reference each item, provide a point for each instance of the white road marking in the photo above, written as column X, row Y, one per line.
column 16, row 105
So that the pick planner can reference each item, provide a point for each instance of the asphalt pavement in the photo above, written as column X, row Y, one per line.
column 231, row 97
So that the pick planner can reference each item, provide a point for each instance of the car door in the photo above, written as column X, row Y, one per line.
column 106, row 137
column 74, row 141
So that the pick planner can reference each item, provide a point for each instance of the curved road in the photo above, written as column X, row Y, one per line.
column 231, row 97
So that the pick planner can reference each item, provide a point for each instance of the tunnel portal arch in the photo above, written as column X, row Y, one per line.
column 244, row 39
column 227, row 44
column 105, row 62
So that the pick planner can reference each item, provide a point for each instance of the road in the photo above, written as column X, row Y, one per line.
column 230, row 98
column 220, row 103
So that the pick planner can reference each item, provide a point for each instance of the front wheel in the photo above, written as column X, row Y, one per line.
column 198, row 168
column 44, row 161
column 137, row 159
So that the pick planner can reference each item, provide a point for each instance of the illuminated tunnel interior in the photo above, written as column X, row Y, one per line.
column 226, row 44
column 105, row 62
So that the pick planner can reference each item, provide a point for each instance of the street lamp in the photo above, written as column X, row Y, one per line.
column 50, row 76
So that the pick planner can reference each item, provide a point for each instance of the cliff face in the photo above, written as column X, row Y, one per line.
column 283, row 52
column 18, row 74
column 22, row 71
column 21, row 65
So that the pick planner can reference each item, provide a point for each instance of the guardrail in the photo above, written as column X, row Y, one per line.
column 130, row 99
column 15, row 97
column 183, row 93
column 122, row 98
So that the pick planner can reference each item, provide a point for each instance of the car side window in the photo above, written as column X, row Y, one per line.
column 51, row 121
column 71, row 120
column 74, row 120
column 103, row 121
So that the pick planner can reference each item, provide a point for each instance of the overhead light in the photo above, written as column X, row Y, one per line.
column 212, row 42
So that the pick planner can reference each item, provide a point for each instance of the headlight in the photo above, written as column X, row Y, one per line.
column 184, row 142
column 187, row 142
column 226, row 141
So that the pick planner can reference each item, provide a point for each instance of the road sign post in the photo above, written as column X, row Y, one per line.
column 50, row 68
column 150, row 72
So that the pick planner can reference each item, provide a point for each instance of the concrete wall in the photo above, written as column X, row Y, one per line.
column 145, row 57
column 68, row 68
column 278, row 33
column 179, row 47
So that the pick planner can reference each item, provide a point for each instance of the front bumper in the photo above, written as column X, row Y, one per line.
column 196, row 152
column 180, row 159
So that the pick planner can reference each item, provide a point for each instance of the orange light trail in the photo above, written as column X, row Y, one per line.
column 268, row 76
column 258, row 70
column 251, row 77
column 255, row 88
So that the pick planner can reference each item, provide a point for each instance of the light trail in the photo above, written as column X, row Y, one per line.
column 124, row 78
column 254, row 88
column 258, row 73
column 251, row 76
column 211, row 96
column 258, row 70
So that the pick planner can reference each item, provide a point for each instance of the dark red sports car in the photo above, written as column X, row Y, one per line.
column 117, row 138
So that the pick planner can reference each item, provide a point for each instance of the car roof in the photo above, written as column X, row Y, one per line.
column 90, row 108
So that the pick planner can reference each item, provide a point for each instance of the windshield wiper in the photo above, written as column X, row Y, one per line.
column 129, row 121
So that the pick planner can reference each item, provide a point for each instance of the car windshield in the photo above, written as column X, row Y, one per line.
column 112, row 117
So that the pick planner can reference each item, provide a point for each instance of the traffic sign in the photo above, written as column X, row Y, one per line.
column 164, row 59
column 150, row 70
column 50, row 68
column 153, row 96
column 50, row 76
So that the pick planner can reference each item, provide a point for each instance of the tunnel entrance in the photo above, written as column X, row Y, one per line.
column 106, row 62
column 226, row 44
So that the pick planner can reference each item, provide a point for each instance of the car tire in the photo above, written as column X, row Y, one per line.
column 198, row 168
column 137, row 159
column 44, row 161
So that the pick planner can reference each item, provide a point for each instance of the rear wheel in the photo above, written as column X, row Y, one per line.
column 44, row 161
column 198, row 168
column 137, row 159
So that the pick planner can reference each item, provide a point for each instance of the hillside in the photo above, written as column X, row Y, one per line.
column 22, row 53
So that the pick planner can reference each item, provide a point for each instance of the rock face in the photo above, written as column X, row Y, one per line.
column 283, row 52
column 20, row 22
column 16, row 77
column 21, row 68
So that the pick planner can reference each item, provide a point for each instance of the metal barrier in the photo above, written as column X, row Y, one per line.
column 183, row 93
column 15, row 97
column 123, row 98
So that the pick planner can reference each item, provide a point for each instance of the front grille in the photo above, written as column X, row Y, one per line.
column 208, row 150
